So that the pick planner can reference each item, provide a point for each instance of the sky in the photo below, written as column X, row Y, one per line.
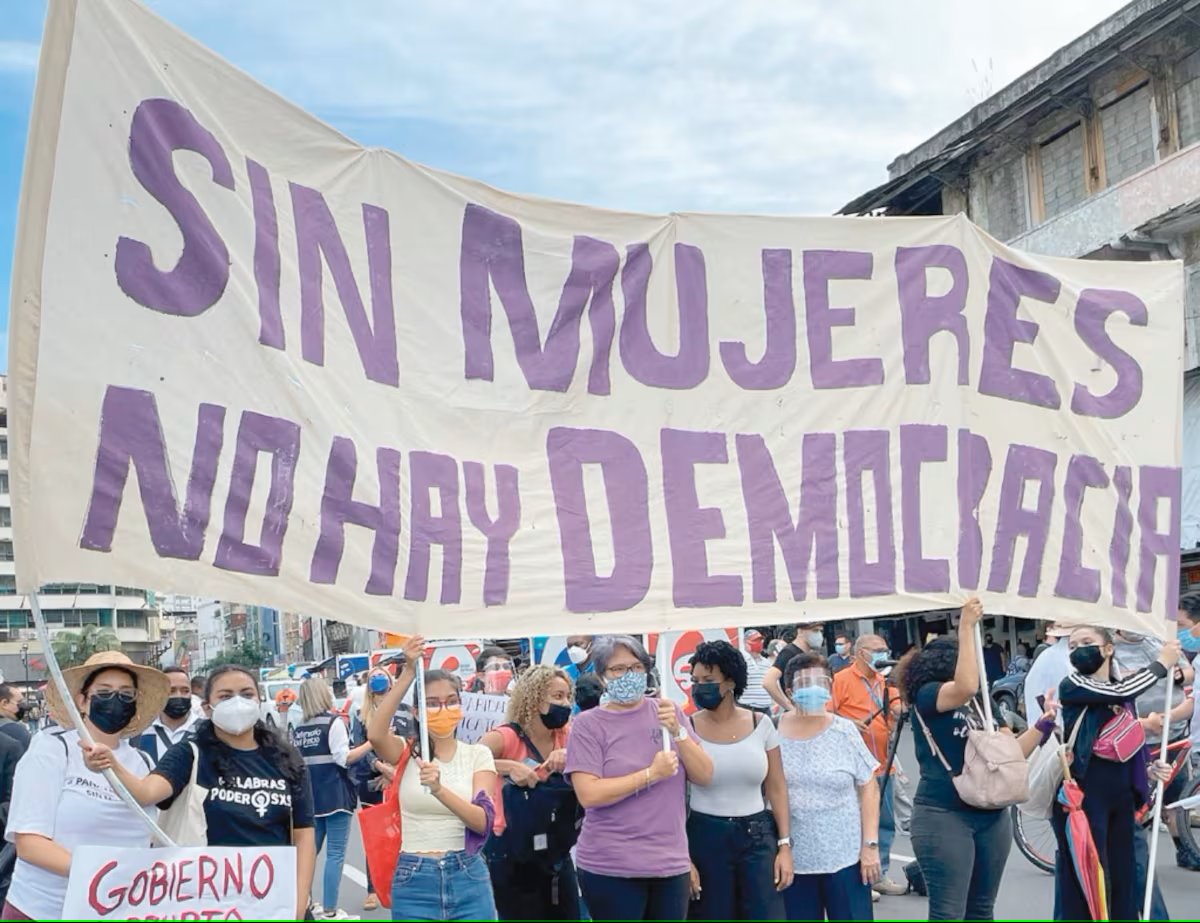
column 751, row 106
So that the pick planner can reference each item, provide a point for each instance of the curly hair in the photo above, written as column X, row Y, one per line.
column 803, row 661
column 531, row 690
column 277, row 751
column 725, row 657
column 935, row 663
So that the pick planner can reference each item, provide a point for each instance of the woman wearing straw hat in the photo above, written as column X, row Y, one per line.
column 58, row 803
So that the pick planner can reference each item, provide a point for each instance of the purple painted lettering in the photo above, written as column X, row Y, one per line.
column 131, row 434
column 641, row 358
column 922, row 315
column 820, row 268
column 430, row 471
column 266, row 256
column 499, row 530
column 1156, row 484
column 1075, row 580
column 770, row 520
column 920, row 443
column 974, row 472
column 627, row 491
column 198, row 279
column 1118, row 549
column 1091, row 314
column 280, row 439
column 867, row 450
column 1003, row 329
column 1024, row 464
column 318, row 241
column 493, row 253
column 339, row 508
column 775, row 368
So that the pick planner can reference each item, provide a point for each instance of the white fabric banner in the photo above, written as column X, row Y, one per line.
column 193, row 883
column 254, row 360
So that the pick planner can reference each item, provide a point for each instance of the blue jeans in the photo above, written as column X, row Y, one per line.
column 332, row 830
column 837, row 895
column 610, row 897
column 455, row 886
column 887, row 822
column 735, row 857
column 962, row 853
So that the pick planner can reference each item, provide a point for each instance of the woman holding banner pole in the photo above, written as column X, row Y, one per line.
column 445, row 802
column 58, row 802
column 633, row 849
column 233, row 752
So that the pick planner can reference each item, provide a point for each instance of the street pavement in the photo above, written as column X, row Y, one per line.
column 1027, row 892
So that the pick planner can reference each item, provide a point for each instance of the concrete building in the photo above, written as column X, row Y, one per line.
column 1094, row 153
column 67, row 607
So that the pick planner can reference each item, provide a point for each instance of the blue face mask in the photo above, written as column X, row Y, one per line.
column 624, row 690
column 379, row 684
column 1188, row 641
column 810, row 699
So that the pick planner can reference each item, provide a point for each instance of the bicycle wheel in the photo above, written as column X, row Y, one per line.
column 1186, row 820
column 1035, row 839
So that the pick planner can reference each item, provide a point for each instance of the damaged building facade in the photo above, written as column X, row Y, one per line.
column 1095, row 153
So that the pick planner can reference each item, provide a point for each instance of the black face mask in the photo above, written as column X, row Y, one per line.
column 22, row 711
column 707, row 695
column 177, row 707
column 111, row 715
column 557, row 716
column 1087, row 659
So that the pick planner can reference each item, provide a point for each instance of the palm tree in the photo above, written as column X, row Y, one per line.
column 72, row 648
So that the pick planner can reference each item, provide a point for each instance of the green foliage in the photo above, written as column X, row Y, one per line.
column 72, row 648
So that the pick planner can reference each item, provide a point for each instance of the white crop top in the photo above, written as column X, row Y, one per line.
column 427, row 825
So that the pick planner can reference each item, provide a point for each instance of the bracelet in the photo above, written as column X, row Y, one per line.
column 648, row 782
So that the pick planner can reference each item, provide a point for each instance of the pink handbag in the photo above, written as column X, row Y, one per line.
column 1121, row 738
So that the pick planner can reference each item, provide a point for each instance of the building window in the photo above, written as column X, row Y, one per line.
column 1063, row 183
column 6, row 551
column 5, row 517
column 3, row 448
column 1007, row 200
column 1187, row 98
column 3, row 482
column 8, row 585
column 131, row 620
column 1128, row 132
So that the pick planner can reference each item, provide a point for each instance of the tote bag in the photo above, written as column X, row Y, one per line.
column 184, row 821
column 380, row 826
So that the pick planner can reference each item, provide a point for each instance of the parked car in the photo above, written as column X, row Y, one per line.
column 1008, row 693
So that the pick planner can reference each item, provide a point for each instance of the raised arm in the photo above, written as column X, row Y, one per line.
column 1078, row 689
column 379, row 730
column 960, row 690
column 596, row 792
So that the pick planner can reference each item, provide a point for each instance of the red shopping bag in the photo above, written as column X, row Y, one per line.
column 380, row 827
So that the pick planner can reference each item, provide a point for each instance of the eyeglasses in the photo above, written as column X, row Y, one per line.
column 620, row 670
column 498, row 667
column 434, row 707
column 125, row 695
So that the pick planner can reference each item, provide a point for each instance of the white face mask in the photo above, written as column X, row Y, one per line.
column 577, row 654
column 816, row 639
column 236, row 715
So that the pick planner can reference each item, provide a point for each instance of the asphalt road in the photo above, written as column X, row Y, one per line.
column 1027, row 893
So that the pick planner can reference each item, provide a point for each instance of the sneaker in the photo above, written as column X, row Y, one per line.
column 889, row 888
column 1186, row 857
column 371, row 903
column 874, row 897
column 339, row 914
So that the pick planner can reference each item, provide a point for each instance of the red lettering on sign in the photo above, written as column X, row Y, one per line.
column 234, row 874
column 93, row 888
column 207, row 874
column 233, row 915
column 261, row 890
column 137, row 889
column 182, row 879
column 157, row 890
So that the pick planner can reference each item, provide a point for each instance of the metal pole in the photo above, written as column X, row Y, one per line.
column 43, row 634
column 983, row 682
column 1158, row 795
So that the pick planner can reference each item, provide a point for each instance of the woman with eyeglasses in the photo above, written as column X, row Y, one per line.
column 633, row 850
column 530, row 753
column 446, row 807
column 324, row 744
column 59, row 803
column 232, row 753
column 374, row 774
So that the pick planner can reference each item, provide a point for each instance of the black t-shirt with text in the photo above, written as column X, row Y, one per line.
column 252, row 805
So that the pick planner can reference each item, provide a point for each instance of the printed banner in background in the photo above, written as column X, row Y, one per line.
column 193, row 883
column 672, row 652
column 252, row 359
column 481, row 713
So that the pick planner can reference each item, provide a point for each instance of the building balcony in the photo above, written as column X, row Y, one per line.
column 1126, row 214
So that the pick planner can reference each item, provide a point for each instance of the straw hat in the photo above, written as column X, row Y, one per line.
column 153, row 689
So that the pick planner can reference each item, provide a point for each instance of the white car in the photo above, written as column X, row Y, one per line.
column 270, row 689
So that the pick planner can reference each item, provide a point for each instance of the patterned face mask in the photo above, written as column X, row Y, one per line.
column 626, row 689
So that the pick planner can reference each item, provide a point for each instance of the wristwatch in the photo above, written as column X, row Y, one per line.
column 682, row 735
column 784, row 841
column 871, row 844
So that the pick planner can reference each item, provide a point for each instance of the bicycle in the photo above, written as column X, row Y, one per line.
column 1035, row 838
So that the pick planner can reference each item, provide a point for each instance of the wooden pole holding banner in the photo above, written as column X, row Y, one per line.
column 1158, row 795
column 983, row 680
column 56, row 676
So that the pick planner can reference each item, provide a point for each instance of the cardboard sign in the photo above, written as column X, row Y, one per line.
column 195, row 883
column 251, row 359
column 481, row 713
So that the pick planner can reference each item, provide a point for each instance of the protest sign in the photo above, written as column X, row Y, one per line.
column 252, row 359
column 672, row 652
column 481, row 713
column 194, row 883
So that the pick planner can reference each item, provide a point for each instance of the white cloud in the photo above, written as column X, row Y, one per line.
column 676, row 105
column 18, row 56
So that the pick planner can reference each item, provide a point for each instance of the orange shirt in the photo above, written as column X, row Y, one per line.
column 855, row 698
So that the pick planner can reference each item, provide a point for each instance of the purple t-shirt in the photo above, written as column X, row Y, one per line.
column 643, row 835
